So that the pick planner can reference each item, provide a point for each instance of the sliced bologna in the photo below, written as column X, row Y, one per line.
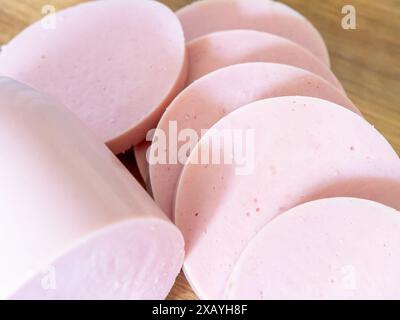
column 207, row 16
column 221, row 49
column 116, row 64
column 340, row 248
column 74, row 223
column 206, row 101
column 304, row 149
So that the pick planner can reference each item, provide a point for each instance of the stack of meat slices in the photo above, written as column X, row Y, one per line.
column 302, row 207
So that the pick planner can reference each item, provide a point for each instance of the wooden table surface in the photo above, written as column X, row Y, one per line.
column 366, row 60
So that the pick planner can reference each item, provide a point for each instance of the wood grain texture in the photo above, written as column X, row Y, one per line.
column 366, row 60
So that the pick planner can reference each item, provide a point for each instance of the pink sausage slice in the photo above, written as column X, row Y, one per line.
column 339, row 248
column 116, row 64
column 207, row 100
column 221, row 49
column 74, row 223
column 304, row 149
column 207, row 16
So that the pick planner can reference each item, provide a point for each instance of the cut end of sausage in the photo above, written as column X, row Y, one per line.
column 74, row 224
column 135, row 259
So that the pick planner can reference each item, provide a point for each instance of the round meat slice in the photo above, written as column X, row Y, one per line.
column 116, row 64
column 207, row 16
column 221, row 49
column 206, row 101
column 286, row 151
column 74, row 223
column 340, row 248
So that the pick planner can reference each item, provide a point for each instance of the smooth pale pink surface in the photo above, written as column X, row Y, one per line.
column 209, row 99
column 339, row 248
column 221, row 49
column 141, row 160
column 305, row 149
column 115, row 63
column 203, row 17
column 66, row 201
